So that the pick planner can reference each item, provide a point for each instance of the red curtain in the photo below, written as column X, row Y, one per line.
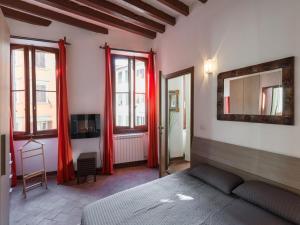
column 227, row 105
column 12, row 148
column 65, row 169
column 152, row 120
column 108, row 150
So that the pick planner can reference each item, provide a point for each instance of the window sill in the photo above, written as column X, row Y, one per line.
column 129, row 135
column 37, row 136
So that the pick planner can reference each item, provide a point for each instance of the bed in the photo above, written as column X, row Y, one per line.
column 178, row 199
column 265, row 192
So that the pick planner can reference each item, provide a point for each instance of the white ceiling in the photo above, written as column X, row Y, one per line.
column 157, row 5
column 154, row 3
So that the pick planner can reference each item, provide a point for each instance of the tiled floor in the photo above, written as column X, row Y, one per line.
column 63, row 204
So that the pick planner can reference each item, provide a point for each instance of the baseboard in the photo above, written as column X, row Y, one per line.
column 99, row 169
column 130, row 164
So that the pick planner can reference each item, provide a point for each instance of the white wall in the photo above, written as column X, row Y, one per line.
column 236, row 33
column 85, row 62
column 4, row 117
column 34, row 163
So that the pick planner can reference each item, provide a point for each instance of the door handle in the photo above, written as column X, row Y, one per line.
column 160, row 128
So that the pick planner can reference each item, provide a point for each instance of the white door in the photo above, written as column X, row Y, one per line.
column 161, row 128
column 4, row 120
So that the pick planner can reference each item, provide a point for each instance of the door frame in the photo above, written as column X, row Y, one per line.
column 190, row 70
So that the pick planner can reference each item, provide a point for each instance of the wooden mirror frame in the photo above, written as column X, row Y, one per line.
column 287, row 118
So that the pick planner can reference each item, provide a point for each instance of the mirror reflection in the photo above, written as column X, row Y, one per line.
column 254, row 94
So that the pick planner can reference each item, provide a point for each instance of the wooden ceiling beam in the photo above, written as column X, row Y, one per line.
column 152, row 11
column 97, row 16
column 24, row 17
column 30, row 8
column 177, row 5
column 119, row 11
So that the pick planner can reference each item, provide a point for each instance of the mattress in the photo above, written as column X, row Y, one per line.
column 178, row 199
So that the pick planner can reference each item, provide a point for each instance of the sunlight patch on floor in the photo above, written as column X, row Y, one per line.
column 184, row 197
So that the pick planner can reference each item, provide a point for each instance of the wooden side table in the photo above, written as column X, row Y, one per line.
column 86, row 165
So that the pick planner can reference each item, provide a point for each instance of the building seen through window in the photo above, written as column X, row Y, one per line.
column 33, row 90
column 129, row 93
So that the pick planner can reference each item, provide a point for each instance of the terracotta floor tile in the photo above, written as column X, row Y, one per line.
column 63, row 204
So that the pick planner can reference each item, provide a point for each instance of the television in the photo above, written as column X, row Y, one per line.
column 85, row 126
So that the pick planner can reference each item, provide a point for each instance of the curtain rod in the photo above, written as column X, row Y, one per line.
column 37, row 39
column 126, row 50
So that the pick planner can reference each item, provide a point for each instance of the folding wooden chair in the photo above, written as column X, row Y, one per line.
column 30, row 153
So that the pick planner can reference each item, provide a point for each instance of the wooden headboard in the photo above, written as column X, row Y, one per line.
column 249, row 163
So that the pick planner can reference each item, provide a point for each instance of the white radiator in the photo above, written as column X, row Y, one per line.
column 130, row 148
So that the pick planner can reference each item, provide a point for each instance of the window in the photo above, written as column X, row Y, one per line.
column 120, row 77
column 40, row 60
column 272, row 100
column 33, row 90
column 44, row 125
column 41, row 95
column 129, row 94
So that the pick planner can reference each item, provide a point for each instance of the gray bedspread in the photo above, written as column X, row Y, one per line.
column 178, row 199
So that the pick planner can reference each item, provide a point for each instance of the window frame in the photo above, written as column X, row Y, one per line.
column 23, row 135
column 128, row 129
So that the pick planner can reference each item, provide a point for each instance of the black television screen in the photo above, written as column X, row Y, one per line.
column 85, row 126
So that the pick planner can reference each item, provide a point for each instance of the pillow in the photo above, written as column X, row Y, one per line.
column 276, row 200
column 220, row 179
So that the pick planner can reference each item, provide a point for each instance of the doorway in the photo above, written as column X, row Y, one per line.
column 176, row 120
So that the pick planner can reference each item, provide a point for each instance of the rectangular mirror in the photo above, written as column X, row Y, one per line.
column 261, row 93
